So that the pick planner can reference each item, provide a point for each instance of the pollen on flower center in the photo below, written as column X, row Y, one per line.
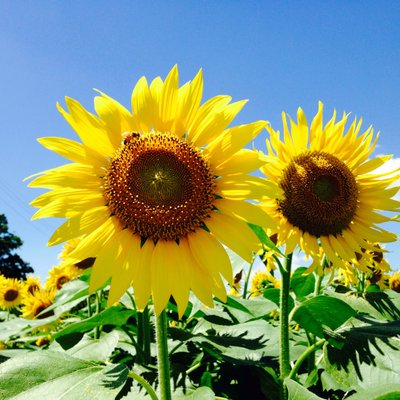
column 159, row 186
column 320, row 194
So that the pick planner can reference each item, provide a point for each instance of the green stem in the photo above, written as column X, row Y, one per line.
column 98, row 301
column 89, row 307
column 318, row 283
column 284, row 356
column 310, row 350
column 193, row 368
column 146, row 336
column 162, row 356
column 144, row 383
column 246, row 282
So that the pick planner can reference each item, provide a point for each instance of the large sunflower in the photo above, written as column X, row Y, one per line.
column 331, row 197
column 156, row 192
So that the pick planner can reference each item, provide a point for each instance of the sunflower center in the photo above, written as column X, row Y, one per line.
column 159, row 186
column 33, row 287
column 61, row 281
column 320, row 194
column 41, row 308
column 10, row 295
column 86, row 263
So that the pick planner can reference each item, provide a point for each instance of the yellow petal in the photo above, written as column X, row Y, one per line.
column 91, row 244
column 210, row 253
column 233, row 140
column 247, row 211
column 168, row 101
column 199, row 278
column 246, row 187
column 117, row 118
column 89, row 128
column 244, row 161
column 80, row 225
column 72, row 150
column 235, row 234
column 121, row 276
column 141, row 278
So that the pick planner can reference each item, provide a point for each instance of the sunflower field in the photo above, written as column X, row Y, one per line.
column 177, row 277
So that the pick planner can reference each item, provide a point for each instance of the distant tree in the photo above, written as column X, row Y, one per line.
column 11, row 264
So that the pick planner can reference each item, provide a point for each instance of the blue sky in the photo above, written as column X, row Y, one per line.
column 280, row 55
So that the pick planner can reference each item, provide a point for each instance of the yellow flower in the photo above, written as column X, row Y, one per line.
column 331, row 196
column 262, row 280
column 37, row 302
column 11, row 292
column 156, row 192
column 32, row 284
column 77, row 268
column 58, row 276
column 394, row 282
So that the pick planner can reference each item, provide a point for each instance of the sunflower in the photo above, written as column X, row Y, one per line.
column 58, row 276
column 394, row 281
column 331, row 197
column 36, row 303
column 262, row 280
column 32, row 284
column 11, row 293
column 156, row 192
column 76, row 269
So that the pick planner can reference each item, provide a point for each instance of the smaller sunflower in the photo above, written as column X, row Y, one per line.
column 11, row 293
column 372, row 268
column 394, row 282
column 76, row 269
column 58, row 276
column 32, row 284
column 36, row 303
column 263, row 280
column 332, row 195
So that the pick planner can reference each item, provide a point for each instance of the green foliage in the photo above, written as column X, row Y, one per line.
column 343, row 345
column 319, row 313
column 35, row 375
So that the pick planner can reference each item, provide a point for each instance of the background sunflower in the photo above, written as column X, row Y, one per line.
column 331, row 196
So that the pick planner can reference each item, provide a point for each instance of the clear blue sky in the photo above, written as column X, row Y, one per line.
column 280, row 55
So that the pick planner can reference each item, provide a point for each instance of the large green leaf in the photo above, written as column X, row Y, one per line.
column 381, row 306
column 44, row 373
column 244, row 310
column 299, row 392
column 250, row 341
column 302, row 285
column 73, row 333
column 93, row 349
column 370, row 356
column 22, row 326
column 320, row 312
column 380, row 392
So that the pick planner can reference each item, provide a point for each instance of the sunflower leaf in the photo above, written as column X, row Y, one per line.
column 318, row 313
column 66, row 377
column 302, row 285
column 298, row 392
